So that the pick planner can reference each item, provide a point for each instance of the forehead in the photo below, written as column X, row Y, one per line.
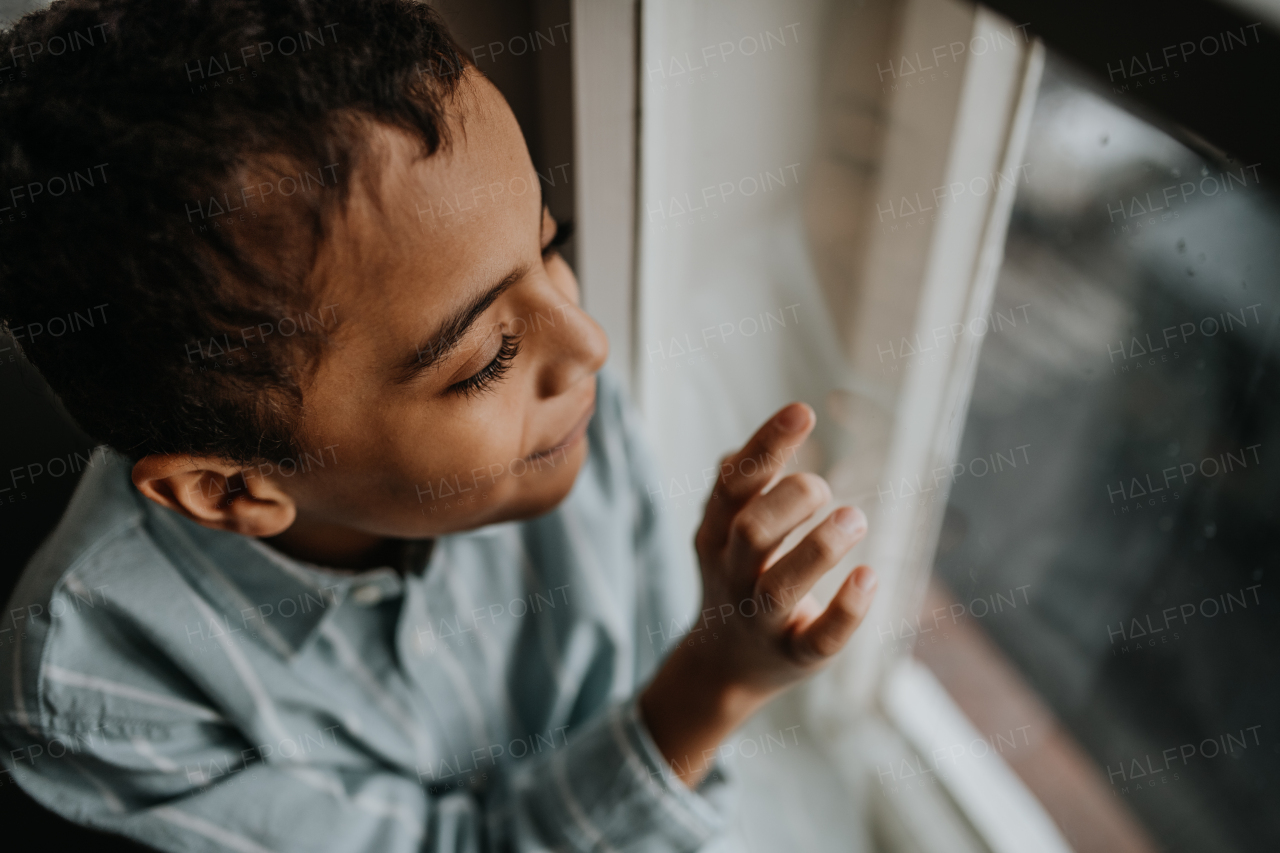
column 430, row 231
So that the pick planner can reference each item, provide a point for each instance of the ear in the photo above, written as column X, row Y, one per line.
column 215, row 493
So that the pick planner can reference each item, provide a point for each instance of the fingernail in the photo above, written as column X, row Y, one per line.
column 793, row 418
column 850, row 519
column 867, row 579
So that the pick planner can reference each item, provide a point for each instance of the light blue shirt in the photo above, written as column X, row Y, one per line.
column 197, row 690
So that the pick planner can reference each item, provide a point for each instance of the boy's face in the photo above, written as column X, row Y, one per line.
column 460, row 380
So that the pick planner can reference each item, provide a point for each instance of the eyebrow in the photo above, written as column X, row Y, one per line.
column 438, row 346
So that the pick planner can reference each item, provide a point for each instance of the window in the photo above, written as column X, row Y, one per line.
column 1106, row 526
column 1028, row 319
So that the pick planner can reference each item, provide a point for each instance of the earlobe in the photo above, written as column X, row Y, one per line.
column 215, row 493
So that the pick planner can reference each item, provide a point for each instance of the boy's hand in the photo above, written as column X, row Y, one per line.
column 760, row 629
column 771, row 631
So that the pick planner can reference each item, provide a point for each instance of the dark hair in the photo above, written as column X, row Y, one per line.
column 128, row 131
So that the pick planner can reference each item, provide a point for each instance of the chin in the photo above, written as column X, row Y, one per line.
column 540, row 498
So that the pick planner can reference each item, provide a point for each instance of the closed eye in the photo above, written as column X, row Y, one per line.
column 489, row 375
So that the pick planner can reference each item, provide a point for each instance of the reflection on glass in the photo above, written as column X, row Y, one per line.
column 1112, row 525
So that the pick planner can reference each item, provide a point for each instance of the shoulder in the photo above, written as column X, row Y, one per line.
column 94, row 539
column 104, row 507
column 72, row 624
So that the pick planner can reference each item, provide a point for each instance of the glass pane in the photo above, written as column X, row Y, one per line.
column 1113, row 511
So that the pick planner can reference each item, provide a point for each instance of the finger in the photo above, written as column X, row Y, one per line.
column 760, row 526
column 832, row 628
column 746, row 473
column 795, row 573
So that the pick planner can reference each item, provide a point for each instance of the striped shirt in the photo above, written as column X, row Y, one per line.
column 197, row 690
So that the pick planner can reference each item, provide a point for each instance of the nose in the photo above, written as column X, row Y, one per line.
column 574, row 347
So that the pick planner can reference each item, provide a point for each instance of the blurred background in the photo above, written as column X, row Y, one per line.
column 1126, row 632
column 1022, row 260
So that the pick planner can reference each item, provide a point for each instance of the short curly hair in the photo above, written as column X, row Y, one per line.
column 135, row 136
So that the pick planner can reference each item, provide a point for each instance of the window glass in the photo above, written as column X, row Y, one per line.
column 1111, row 523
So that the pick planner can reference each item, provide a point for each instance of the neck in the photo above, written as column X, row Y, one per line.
column 334, row 545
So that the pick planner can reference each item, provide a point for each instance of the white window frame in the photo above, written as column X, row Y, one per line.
column 605, row 63
column 965, row 250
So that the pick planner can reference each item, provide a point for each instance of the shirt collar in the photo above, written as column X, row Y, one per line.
column 253, row 587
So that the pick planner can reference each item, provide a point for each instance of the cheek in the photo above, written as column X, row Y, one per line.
column 465, row 445
column 454, row 436
column 477, row 473
column 395, row 445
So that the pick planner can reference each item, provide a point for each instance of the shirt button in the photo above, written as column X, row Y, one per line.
column 367, row 595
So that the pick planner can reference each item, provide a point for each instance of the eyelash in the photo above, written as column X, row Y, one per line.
column 564, row 230
column 491, row 373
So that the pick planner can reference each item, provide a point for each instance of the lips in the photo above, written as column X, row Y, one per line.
column 576, row 432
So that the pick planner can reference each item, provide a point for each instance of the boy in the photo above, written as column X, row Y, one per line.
column 371, row 566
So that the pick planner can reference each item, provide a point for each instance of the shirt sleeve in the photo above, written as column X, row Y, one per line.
column 606, row 790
